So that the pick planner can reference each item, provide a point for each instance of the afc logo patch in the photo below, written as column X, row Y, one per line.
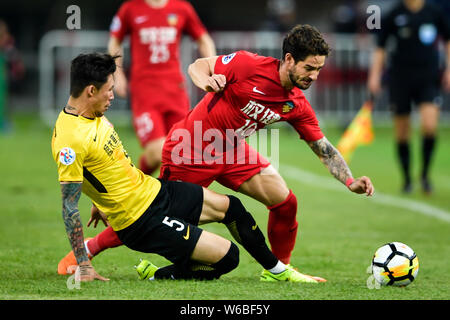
column 67, row 156
column 228, row 58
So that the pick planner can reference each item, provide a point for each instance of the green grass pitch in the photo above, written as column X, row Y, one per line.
column 338, row 231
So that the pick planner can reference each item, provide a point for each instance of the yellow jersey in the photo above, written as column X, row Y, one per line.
column 90, row 151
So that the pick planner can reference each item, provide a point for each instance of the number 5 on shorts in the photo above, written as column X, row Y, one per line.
column 171, row 223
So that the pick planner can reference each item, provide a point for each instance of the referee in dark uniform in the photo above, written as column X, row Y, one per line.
column 415, row 26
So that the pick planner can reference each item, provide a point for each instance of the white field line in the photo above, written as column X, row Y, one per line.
column 329, row 183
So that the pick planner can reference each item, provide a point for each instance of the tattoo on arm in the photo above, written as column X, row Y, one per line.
column 71, row 193
column 332, row 159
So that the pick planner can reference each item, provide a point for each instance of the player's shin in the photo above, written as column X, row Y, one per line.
column 428, row 146
column 403, row 151
column 282, row 228
column 245, row 230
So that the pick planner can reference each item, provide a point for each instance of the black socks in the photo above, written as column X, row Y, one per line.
column 244, row 229
column 404, row 154
column 428, row 144
column 199, row 271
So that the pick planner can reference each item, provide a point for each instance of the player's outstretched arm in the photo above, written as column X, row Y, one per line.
column 71, row 192
column 337, row 166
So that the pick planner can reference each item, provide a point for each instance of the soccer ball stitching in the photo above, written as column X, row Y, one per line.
column 391, row 271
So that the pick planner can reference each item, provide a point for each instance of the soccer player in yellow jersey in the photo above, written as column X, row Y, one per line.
column 148, row 214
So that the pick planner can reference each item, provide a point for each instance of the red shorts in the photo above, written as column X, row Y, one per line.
column 230, row 175
column 157, row 106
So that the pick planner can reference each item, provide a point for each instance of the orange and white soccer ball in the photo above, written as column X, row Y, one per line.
column 395, row 264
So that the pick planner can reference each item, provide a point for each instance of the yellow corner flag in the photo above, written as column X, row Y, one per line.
column 359, row 132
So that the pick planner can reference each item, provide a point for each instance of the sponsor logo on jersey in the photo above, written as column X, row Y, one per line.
column 140, row 19
column 160, row 35
column 214, row 146
column 172, row 19
column 67, row 156
column 228, row 58
column 288, row 106
column 260, row 113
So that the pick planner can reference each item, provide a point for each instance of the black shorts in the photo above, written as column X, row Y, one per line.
column 169, row 226
column 412, row 86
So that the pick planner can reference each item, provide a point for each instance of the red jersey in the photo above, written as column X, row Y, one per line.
column 253, row 98
column 155, row 35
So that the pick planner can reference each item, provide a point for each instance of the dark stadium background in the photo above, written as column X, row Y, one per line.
column 29, row 20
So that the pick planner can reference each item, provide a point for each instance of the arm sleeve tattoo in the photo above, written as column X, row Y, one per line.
column 331, row 158
column 71, row 193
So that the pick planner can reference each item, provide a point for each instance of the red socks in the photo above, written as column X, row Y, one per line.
column 104, row 240
column 282, row 227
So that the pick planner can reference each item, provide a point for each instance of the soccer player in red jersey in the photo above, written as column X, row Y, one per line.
column 157, row 86
column 245, row 93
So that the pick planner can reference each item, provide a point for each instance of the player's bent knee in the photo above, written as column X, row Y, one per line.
column 229, row 262
column 289, row 205
column 235, row 209
column 214, row 206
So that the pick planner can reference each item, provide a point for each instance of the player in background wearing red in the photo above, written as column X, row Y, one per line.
column 157, row 85
column 247, row 92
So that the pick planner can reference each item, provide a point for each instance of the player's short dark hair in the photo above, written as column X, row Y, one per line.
column 90, row 69
column 304, row 40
